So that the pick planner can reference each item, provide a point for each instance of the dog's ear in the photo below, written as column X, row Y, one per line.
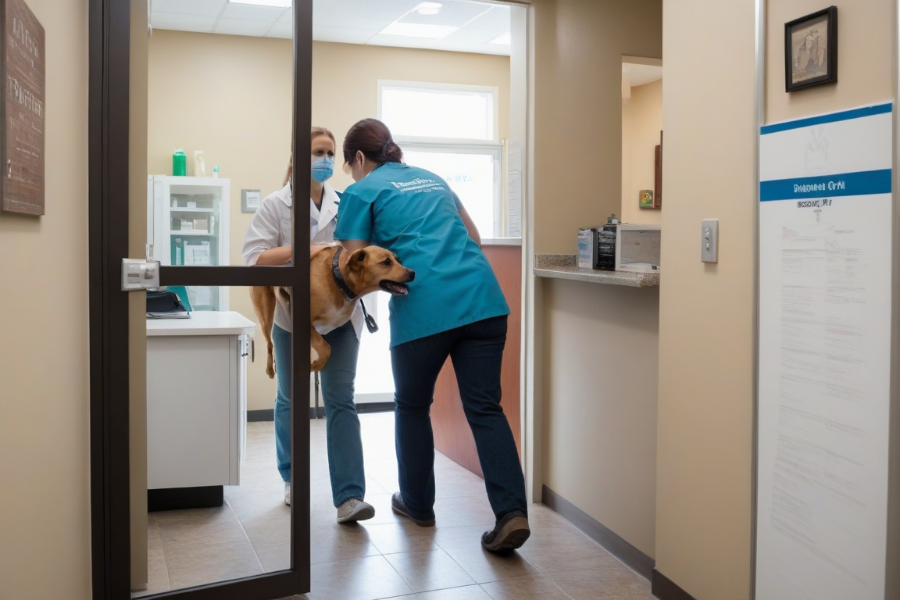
column 359, row 257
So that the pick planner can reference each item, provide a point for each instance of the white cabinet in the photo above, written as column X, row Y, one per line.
column 188, row 224
column 196, row 400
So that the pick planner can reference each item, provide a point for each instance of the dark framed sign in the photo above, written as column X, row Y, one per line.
column 810, row 50
column 658, row 170
column 22, row 60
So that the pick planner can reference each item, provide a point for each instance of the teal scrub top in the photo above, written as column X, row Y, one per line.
column 414, row 214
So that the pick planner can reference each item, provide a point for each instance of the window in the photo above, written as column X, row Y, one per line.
column 452, row 131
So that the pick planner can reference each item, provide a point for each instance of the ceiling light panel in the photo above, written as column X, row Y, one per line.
column 207, row 8
column 182, row 22
column 272, row 3
column 453, row 13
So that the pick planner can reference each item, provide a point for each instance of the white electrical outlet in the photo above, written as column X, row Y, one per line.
column 709, row 240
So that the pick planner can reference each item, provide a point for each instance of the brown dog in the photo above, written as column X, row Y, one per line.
column 363, row 272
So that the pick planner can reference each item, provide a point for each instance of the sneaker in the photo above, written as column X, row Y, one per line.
column 287, row 493
column 400, row 508
column 354, row 510
column 509, row 533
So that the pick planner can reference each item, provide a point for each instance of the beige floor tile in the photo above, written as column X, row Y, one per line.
column 615, row 583
column 153, row 538
column 395, row 538
column 335, row 542
column 274, row 558
column 196, row 564
column 368, row 578
column 269, row 527
column 574, row 552
column 205, row 526
column 157, row 571
column 535, row 587
column 469, row 592
column 481, row 565
column 426, row 571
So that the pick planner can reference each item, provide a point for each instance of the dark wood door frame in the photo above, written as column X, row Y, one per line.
column 108, row 120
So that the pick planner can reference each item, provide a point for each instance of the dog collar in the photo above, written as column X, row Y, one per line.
column 338, row 277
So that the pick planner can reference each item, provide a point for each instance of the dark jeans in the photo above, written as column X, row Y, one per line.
column 477, row 352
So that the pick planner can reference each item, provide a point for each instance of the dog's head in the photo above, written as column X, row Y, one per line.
column 372, row 268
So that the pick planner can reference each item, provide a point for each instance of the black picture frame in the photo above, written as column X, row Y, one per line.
column 810, row 50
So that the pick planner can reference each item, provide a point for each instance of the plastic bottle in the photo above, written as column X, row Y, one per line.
column 216, row 171
column 179, row 163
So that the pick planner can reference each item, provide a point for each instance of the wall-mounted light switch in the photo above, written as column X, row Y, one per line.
column 709, row 239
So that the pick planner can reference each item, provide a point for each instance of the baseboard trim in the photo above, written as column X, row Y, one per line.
column 268, row 414
column 182, row 498
column 665, row 589
column 594, row 529
column 256, row 416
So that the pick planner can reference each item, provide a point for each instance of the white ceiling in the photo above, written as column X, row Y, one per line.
column 642, row 74
column 345, row 21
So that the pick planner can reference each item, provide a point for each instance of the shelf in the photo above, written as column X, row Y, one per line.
column 193, row 233
column 191, row 210
column 563, row 266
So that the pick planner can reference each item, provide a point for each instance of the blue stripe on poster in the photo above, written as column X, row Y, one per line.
column 862, row 183
column 846, row 115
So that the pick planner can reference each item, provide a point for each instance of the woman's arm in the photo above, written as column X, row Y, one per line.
column 275, row 256
column 354, row 245
column 470, row 224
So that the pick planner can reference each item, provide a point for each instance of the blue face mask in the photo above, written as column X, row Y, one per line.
column 322, row 168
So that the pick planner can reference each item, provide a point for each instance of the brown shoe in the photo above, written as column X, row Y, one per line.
column 400, row 508
column 509, row 533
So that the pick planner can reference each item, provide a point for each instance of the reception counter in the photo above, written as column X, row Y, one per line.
column 563, row 266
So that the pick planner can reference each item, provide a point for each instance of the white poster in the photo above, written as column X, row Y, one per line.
column 824, row 356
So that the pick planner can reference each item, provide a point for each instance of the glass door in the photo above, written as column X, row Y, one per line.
column 187, row 498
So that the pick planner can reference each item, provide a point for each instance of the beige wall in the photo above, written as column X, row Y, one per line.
column 231, row 97
column 706, row 311
column 45, row 516
column 578, row 109
column 600, row 417
column 577, row 182
column 642, row 121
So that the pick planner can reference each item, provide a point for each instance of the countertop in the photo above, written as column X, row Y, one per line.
column 563, row 266
column 202, row 323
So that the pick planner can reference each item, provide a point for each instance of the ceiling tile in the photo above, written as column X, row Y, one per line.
column 453, row 13
column 254, row 13
column 496, row 19
column 243, row 27
column 379, row 10
column 181, row 22
column 209, row 8
column 343, row 36
column 351, row 22
column 287, row 17
column 282, row 30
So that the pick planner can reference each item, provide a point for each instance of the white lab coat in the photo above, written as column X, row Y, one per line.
column 271, row 228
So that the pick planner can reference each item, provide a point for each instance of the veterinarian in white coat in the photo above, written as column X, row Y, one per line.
column 268, row 242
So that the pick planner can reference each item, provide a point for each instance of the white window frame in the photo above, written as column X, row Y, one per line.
column 494, row 146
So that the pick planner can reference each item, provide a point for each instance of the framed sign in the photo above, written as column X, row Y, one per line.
column 22, row 60
column 251, row 200
column 810, row 50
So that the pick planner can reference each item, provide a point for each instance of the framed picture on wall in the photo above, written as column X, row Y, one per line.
column 657, row 183
column 810, row 50
column 646, row 198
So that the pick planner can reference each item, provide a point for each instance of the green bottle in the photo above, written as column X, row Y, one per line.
column 179, row 163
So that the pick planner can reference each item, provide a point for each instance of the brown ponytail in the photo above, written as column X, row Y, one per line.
column 373, row 139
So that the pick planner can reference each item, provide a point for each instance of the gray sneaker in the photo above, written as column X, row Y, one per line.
column 509, row 533
column 354, row 510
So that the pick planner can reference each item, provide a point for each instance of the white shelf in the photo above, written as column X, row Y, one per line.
column 177, row 233
column 192, row 210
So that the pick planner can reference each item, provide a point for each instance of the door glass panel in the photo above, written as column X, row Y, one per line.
column 216, row 456
column 220, row 111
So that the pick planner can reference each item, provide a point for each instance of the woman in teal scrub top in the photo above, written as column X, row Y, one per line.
column 453, row 308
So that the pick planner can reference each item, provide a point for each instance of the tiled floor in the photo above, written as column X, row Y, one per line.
column 385, row 557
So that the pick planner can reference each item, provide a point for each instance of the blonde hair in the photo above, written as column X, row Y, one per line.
column 313, row 134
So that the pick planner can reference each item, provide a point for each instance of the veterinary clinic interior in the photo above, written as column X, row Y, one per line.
column 700, row 366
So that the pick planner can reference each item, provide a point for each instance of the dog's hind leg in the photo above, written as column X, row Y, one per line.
column 263, row 298
column 319, row 350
